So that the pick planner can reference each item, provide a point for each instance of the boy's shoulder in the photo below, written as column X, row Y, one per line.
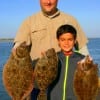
column 77, row 54
column 60, row 54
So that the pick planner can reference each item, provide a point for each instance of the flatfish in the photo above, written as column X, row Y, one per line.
column 45, row 72
column 18, row 73
column 86, row 79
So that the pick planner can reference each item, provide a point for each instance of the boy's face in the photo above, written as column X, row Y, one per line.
column 66, row 42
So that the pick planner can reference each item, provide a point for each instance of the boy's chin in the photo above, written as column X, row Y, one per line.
column 67, row 50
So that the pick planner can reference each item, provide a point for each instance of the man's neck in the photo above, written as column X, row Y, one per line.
column 51, row 14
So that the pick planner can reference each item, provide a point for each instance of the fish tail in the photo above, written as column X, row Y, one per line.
column 42, row 96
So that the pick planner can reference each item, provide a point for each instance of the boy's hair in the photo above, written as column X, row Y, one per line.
column 66, row 29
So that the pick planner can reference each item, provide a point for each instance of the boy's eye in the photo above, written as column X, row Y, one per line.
column 67, row 39
column 70, row 39
column 62, row 39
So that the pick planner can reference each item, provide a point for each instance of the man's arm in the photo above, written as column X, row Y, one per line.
column 84, row 50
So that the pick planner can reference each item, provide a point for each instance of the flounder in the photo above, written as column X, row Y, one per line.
column 86, row 79
column 18, row 73
column 46, row 71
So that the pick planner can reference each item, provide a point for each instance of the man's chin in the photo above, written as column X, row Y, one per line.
column 49, row 11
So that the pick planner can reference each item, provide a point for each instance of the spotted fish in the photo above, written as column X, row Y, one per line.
column 45, row 72
column 18, row 73
column 86, row 79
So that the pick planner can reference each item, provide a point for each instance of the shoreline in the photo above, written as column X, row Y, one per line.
column 12, row 39
column 6, row 40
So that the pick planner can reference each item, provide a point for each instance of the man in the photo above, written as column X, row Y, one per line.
column 39, row 30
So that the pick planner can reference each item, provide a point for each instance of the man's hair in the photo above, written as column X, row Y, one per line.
column 66, row 29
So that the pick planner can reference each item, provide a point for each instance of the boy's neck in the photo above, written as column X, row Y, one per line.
column 68, row 53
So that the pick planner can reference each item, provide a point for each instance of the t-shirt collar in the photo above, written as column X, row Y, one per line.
column 54, row 15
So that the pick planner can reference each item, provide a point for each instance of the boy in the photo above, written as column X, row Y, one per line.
column 62, row 87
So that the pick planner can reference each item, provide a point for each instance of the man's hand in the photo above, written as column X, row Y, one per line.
column 17, row 44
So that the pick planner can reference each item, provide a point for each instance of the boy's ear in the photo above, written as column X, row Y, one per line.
column 76, row 45
column 75, row 41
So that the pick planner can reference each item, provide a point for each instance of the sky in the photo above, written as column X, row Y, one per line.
column 14, row 12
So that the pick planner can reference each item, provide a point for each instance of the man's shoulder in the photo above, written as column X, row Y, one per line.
column 36, row 14
column 66, row 14
column 33, row 17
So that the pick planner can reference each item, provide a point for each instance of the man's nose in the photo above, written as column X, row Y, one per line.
column 48, row 1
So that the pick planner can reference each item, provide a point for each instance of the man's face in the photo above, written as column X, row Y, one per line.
column 48, row 6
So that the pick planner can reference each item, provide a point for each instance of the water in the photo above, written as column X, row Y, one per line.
column 94, row 49
column 5, row 49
